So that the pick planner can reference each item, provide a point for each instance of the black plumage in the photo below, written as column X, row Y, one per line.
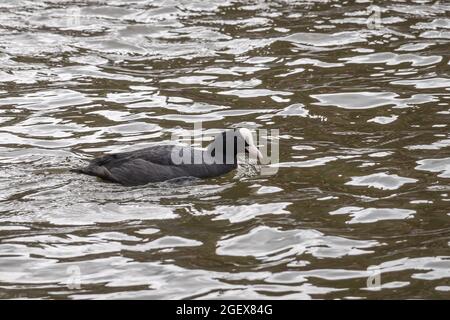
column 163, row 162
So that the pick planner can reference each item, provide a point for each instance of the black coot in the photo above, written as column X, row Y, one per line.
column 166, row 162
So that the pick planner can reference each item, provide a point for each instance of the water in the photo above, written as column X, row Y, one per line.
column 360, row 95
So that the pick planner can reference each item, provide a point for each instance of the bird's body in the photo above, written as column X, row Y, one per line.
column 166, row 162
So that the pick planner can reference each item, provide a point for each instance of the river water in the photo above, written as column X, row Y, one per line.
column 360, row 205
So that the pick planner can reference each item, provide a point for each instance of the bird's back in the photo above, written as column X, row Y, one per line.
column 153, row 164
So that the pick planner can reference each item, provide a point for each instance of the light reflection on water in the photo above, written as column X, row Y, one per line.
column 363, row 115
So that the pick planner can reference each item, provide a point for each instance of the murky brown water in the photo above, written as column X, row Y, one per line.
column 362, row 105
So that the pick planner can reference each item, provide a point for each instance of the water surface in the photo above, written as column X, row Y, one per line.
column 360, row 95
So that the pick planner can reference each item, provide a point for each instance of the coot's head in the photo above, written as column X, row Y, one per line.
column 227, row 145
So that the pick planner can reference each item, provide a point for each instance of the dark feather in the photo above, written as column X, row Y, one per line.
column 152, row 164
